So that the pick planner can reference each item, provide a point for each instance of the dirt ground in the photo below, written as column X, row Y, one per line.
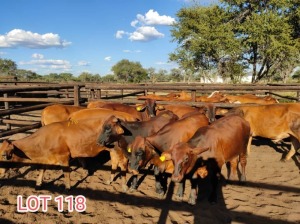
column 271, row 194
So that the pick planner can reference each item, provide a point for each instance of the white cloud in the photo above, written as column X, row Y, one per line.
column 37, row 56
column 49, row 63
column 120, row 34
column 108, row 58
column 22, row 38
column 153, row 18
column 83, row 63
column 134, row 23
column 145, row 33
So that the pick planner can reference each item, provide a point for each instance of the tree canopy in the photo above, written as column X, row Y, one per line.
column 128, row 71
column 238, row 36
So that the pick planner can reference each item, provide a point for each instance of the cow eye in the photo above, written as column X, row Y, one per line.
column 107, row 128
column 139, row 153
column 186, row 158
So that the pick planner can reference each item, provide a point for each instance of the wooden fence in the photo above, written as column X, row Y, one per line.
column 26, row 97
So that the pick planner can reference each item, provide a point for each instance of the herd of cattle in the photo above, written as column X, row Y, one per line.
column 184, row 141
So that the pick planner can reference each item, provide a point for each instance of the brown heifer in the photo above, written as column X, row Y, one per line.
column 143, row 149
column 123, row 132
column 214, row 97
column 57, row 112
column 250, row 98
column 142, row 111
column 214, row 145
column 109, row 116
column 274, row 121
column 100, row 112
column 55, row 144
column 182, row 110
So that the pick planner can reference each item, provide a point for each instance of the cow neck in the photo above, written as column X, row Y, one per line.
column 129, row 127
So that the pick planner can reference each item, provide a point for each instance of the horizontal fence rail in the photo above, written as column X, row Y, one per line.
column 27, row 96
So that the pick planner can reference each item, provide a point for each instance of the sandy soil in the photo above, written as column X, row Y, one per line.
column 271, row 194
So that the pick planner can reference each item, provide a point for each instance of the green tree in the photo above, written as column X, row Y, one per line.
column 65, row 77
column 269, row 35
column 108, row 78
column 205, row 41
column 128, row 71
column 237, row 35
column 7, row 66
column 27, row 75
column 175, row 75
column 86, row 77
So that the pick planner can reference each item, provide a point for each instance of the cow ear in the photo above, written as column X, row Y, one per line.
column 114, row 119
column 160, row 107
column 198, row 151
column 140, row 107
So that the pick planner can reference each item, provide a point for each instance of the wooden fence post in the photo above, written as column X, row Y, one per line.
column 76, row 95
column 98, row 92
column 6, row 106
column 193, row 95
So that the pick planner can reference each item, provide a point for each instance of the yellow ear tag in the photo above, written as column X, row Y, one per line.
column 129, row 149
column 162, row 158
column 139, row 108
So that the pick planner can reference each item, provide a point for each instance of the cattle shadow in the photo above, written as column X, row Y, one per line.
column 282, row 147
column 203, row 212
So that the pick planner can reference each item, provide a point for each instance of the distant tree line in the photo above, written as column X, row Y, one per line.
column 124, row 71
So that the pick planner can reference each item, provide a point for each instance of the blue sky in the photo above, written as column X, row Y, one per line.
column 54, row 36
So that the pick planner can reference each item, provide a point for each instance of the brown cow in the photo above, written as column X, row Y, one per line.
column 143, row 149
column 55, row 144
column 142, row 111
column 123, row 133
column 250, row 98
column 100, row 112
column 182, row 110
column 214, row 97
column 274, row 121
column 214, row 145
column 57, row 112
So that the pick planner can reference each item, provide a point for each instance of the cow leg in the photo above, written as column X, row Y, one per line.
column 193, row 194
column 180, row 190
column 232, row 172
column 123, row 176
column 114, row 166
column 134, row 183
column 158, row 179
column 243, row 162
column 249, row 144
column 215, row 171
column 67, row 172
column 39, row 180
column 294, row 147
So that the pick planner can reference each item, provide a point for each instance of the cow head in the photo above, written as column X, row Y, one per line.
column 141, row 152
column 149, row 108
column 184, row 159
column 111, row 131
column 210, row 112
column 6, row 150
